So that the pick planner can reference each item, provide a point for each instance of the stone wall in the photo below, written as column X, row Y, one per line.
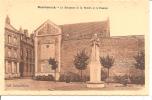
column 122, row 48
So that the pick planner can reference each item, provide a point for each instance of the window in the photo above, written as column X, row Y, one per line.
column 6, row 67
column 15, row 54
column 21, row 51
column 26, row 54
column 21, row 37
column 31, row 52
column 15, row 65
column 47, row 46
column 9, row 39
column 9, row 52
column 9, row 67
column 67, row 35
column 15, row 40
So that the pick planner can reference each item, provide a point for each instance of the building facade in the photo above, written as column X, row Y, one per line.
column 12, row 50
column 76, row 37
column 27, row 56
column 47, row 45
column 19, row 52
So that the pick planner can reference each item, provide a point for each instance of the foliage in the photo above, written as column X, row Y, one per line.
column 124, row 80
column 107, row 61
column 129, row 79
column 44, row 78
column 81, row 61
column 69, row 77
column 103, row 75
column 53, row 62
column 121, row 79
column 137, row 79
column 140, row 60
column 72, row 77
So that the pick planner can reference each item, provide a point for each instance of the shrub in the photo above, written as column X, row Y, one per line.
column 44, row 78
column 131, row 79
column 110, row 80
column 104, row 75
column 72, row 77
column 86, row 78
column 121, row 79
column 124, row 80
column 62, row 78
column 137, row 79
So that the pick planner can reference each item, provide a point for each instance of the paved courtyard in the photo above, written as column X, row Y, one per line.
column 29, row 84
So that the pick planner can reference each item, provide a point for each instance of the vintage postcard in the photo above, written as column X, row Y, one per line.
column 74, row 47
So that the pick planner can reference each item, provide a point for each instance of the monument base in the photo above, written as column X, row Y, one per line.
column 95, row 85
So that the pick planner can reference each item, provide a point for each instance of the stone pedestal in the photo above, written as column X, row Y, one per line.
column 95, row 85
column 95, row 76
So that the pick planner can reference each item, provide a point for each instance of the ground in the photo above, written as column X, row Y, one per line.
column 30, row 84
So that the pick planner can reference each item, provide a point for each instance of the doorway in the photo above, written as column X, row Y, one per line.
column 21, row 69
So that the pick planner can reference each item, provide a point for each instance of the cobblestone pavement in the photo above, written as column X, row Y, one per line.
column 29, row 84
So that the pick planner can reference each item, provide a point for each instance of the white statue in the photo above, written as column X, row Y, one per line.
column 95, row 48
column 95, row 66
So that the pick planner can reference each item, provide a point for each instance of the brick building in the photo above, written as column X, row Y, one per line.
column 26, row 54
column 66, row 40
column 12, row 50
column 19, row 52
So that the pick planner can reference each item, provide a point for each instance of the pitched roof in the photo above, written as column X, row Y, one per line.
column 46, row 22
column 10, row 27
column 88, row 27
column 78, row 29
column 85, row 30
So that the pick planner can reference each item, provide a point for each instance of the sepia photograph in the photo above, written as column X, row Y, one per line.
column 75, row 48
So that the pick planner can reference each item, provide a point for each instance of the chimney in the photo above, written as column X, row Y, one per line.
column 26, row 32
column 21, row 30
column 32, row 35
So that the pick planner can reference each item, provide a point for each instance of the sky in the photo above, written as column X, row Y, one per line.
column 126, row 17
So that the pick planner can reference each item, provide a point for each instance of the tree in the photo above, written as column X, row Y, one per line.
column 81, row 61
column 54, row 65
column 107, row 62
column 140, row 60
